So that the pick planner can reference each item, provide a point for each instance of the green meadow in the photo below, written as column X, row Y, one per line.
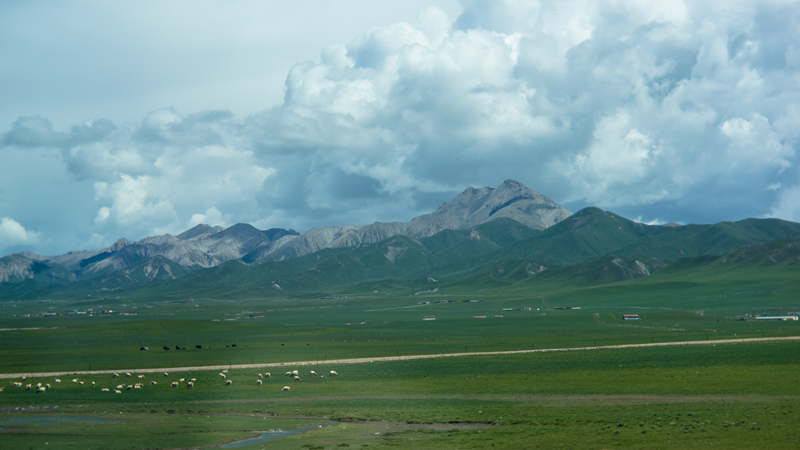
column 732, row 395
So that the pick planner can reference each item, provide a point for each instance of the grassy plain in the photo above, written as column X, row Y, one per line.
column 725, row 395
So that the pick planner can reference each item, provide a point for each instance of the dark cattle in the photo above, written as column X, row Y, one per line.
column 166, row 348
column 141, row 348
column 198, row 346
column 177, row 347
column 234, row 345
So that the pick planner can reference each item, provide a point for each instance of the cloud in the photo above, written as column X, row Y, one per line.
column 12, row 233
column 681, row 111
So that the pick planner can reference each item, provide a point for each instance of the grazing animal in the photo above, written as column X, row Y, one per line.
column 234, row 345
column 258, row 382
column 41, row 389
column 137, row 386
column 174, row 384
column 143, row 348
column 222, row 375
column 166, row 348
column 177, row 347
column 285, row 388
column 141, row 376
column 24, row 378
column 58, row 381
column 117, row 391
column 312, row 373
column 225, row 371
column 81, row 383
column 120, row 386
column 190, row 385
column 267, row 375
column 16, row 384
column 129, row 387
column 322, row 376
column 128, row 374
column 296, row 378
column 152, row 383
column 193, row 379
column 104, row 390
column 92, row 383
column 287, row 374
column 27, row 387
column 333, row 373
column 260, row 376
column 48, row 385
column 228, row 383
column 1, row 389
column 38, row 385
column 116, row 375
column 166, row 374
column 182, row 380
column 198, row 346
column 295, row 373
column 74, row 380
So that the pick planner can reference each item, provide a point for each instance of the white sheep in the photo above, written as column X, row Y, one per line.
column 92, row 383
column 58, row 381
column 190, row 385
column 174, row 384
column 228, row 383
column 40, row 389
column 166, row 374
column 81, row 383
column 104, row 390
column 222, row 375
column 116, row 375
column 288, row 374
column 27, row 387
column 141, row 376
column 267, row 375
column 297, row 379
column 152, row 383
column 258, row 382
column 182, row 380
column 74, row 380
column 120, row 386
column 260, row 376
column 333, row 373
column 285, row 388
column 117, row 391
column 295, row 373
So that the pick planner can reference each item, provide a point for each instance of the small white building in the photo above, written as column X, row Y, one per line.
column 429, row 318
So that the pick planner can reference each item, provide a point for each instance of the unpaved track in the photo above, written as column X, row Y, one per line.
column 390, row 358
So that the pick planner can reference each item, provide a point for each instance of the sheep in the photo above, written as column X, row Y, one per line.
column 38, row 385
column 1, row 389
column 92, row 383
column 222, row 375
column 141, row 376
column 258, row 382
column 137, row 386
column 174, row 384
column 287, row 374
column 260, row 376
column 166, row 374
column 116, row 375
column 128, row 374
column 27, row 387
column 48, row 385
column 296, row 378
column 190, row 385
column 182, row 380
column 16, row 384
column 74, row 380
column 225, row 371
column 81, row 383
column 312, row 374
column 193, row 379
column 152, row 383
column 267, row 375
column 333, row 373
column 104, row 390
column 228, row 383
column 41, row 389
column 285, row 388
column 295, row 373
column 117, row 391
column 129, row 387
column 57, row 380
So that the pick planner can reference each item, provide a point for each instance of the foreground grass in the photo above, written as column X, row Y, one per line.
column 731, row 396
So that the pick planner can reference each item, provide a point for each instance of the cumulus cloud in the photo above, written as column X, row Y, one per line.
column 681, row 111
column 12, row 233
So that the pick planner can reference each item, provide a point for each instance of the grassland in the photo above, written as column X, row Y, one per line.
column 725, row 395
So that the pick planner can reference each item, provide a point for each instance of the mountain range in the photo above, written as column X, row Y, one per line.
column 489, row 235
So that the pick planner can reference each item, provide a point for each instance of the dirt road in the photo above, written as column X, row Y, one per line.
column 389, row 358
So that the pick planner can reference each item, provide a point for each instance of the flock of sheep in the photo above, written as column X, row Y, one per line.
column 295, row 374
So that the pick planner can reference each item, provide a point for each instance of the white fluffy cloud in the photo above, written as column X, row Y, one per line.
column 14, row 234
column 681, row 111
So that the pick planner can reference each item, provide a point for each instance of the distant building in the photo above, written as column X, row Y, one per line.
column 527, row 308
column 429, row 318
column 630, row 316
column 778, row 318
column 794, row 313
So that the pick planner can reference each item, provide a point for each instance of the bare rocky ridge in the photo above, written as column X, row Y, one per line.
column 205, row 246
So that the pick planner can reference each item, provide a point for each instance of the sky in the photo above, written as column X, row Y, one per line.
column 135, row 119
